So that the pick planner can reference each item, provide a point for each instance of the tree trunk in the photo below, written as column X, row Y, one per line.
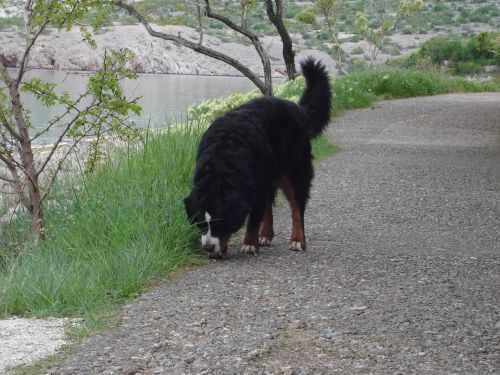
column 36, row 212
column 277, row 19
column 27, row 159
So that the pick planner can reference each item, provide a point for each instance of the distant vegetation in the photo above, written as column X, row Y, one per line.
column 458, row 56
column 457, row 18
column 437, row 15
column 11, row 21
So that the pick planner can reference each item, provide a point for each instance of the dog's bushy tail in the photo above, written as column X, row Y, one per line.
column 317, row 97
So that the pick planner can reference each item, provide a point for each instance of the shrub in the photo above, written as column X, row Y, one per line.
column 467, row 67
column 464, row 56
column 307, row 16
column 11, row 21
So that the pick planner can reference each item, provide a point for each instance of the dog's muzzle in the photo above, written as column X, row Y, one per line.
column 210, row 244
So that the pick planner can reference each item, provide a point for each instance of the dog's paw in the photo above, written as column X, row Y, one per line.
column 264, row 241
column 296, row 246
column 249, row 249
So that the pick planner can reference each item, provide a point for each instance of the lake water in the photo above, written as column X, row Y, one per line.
column 163, row 98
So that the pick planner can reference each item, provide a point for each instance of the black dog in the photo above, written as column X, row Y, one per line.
column 250, row 152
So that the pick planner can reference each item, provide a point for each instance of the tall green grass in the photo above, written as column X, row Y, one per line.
column 109, row 233
column 112, row 232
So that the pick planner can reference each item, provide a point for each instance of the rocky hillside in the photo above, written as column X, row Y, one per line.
column 66, row 51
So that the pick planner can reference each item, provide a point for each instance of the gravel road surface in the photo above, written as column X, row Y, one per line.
column 401, row 274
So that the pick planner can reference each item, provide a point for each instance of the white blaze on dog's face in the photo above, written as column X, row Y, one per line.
column 208, row 242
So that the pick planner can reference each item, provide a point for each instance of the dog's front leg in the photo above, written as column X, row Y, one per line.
column 251, row 241
column 266, row 233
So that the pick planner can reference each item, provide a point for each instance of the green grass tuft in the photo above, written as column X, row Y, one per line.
column 323, row 149
column 122, row 228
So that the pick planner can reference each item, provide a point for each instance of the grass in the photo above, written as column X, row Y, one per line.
column 108, row 239
column 112, row 233
column 323, row 149
column 361, row 89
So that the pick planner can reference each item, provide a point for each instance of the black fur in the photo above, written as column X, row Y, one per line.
column 244, row 153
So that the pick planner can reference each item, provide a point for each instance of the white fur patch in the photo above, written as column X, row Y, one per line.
column 207, row 241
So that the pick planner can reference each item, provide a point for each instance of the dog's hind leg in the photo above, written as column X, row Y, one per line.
column 251, row 241
column 297, row 193
column 266, row 233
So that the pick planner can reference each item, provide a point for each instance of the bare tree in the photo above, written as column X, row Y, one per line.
column 265, row 86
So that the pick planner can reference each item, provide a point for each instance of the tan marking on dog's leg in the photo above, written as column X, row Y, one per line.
column 297, row 239
column 223, row 241
column 266, row 233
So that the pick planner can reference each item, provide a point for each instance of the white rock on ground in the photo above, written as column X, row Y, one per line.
column 23, row 341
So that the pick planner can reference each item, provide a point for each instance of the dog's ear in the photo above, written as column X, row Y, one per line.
column 190, row 210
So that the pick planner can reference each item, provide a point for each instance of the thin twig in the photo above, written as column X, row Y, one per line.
column 62, row 135
column 27, row 52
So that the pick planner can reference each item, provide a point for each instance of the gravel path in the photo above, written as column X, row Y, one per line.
column 401, row 276
column 23, row 340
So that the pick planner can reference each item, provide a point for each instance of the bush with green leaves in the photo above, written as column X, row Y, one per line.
column 306, row 16
column 463, row 56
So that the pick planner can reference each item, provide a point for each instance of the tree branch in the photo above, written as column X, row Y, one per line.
column 58, row 168
column 16, row 180
column 276, row 17
column 253, row 38
column 61, row 137
column 262, row 86
column 6, row 125
column 55, row 120
column 7, row 161
column 27, row 52
column 242, row 30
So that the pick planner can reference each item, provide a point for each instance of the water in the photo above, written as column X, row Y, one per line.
column 163, row 98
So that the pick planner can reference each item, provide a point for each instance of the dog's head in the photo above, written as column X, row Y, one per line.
column 217, row 218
